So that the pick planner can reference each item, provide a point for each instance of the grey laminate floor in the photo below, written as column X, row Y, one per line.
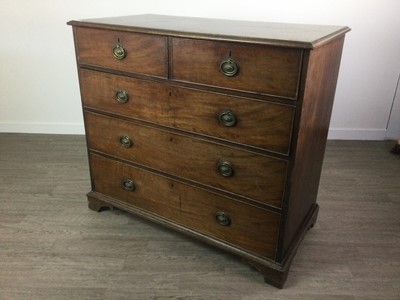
column 53, row 247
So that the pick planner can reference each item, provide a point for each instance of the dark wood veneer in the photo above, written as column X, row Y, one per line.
column 255, row 176
column 313, row 124
column 146, row 54
column 264, row 125
column 189, row 206
column 282, row 98
column 262, row 69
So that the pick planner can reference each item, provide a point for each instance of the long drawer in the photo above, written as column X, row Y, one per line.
column 125, row 51
column 255, row 123
column 239, row 66
column 245, row 173
column 243, row 225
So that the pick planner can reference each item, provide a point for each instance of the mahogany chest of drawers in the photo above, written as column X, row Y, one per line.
column 214, row 128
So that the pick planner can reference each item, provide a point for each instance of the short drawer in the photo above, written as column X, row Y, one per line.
column 255, row 123
column 232, row 170
column 124, row 51
column 246, row 67
column 240, row 224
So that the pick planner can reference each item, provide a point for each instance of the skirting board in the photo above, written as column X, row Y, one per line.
column 356, row 134
column 52, row 128
column 49, row 128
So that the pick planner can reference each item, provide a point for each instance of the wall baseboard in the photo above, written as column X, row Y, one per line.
column 53, row 128
column 356, row 134
column 46, row 128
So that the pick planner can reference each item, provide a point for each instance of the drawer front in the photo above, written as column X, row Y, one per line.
column 134, row 52
column 147, row 192
column 236, row 171
column 243, row 225
column 252, row 68
column 255, row 123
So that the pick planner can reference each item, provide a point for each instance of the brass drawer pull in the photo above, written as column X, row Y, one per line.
column 126, row 141
column 225, row 168
column 222, row 218
column 119, row 52
column 229, row 67
column 128, row 185
column 122, row 96
column 227, row 118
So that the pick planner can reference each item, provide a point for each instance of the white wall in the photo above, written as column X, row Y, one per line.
column 38, row 80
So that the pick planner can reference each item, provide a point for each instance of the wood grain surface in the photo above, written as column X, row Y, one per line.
column 53, row 247
column 250, row 228
column 261, row 124
column 145, row 54
column 255, row 176
column 285, row 184
column 262, row 69
column 283, row 34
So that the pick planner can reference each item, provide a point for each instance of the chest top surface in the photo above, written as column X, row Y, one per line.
column 279, row 34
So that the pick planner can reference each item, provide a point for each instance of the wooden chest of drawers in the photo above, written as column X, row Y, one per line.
column 213, row 128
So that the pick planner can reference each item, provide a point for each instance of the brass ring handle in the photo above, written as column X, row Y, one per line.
column 122, row 96
column 229, row 67
column 227, row 118
column 128, row 185
column 225, row 168
column 222, row 218
column 126, row 141
column 119, row 52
